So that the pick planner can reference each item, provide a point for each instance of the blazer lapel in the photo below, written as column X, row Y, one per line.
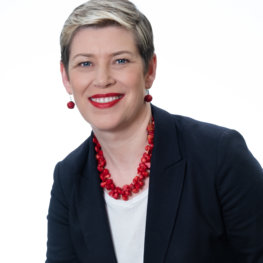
column 92, row 214
column 166, row 183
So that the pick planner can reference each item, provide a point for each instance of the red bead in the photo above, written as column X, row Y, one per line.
column 100, row 168
column 141, row 183
column 109, row 181
column 148, row 98
column 145, row 174
column 107, row 176
column 103, row 184
column 71, row 105
column 124, row 197
column 143, row 160
column 149, row 148
column 150, row 139
column 102, row 162
column 97, row 149
column 118, row 190
column 108, row 187
column 106, row 171
column 143, row 166
column 135, row 190
column 147, row 157
column 141, row 177
column 116, row 195
column 102, row 177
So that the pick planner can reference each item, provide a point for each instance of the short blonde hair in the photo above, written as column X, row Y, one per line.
column 101, row 13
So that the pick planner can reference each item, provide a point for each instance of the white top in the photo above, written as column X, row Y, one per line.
column 127, row 221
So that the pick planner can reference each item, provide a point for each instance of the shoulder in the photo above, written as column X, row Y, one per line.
column 206, row 142
column 203, row 134
column 196, row 128
column 68, row 171
column 201, row 141
column 189, row 125
column 75, row 160
column 190, row 131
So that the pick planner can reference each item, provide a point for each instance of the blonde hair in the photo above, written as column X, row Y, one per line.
column 101, row 13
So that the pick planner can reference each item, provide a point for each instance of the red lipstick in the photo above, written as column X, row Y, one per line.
column 103, row 101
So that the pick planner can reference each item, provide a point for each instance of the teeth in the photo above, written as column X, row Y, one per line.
column 105, row 100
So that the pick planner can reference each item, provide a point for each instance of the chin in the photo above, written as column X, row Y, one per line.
column 105, row 124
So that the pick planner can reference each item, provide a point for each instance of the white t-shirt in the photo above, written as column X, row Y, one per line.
column 127, row 221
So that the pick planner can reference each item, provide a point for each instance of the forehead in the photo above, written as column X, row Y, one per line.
column 103, row 40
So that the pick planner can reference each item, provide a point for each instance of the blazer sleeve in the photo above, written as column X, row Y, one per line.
column 240, row 190
column 59, row 244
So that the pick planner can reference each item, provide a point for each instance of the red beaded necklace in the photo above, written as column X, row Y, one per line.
column 143, row 169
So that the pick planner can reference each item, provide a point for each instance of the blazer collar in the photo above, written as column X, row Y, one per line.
column 166, row 183
column 92, row 213
column 166, row 180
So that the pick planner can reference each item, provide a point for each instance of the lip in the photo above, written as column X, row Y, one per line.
column 104, row 105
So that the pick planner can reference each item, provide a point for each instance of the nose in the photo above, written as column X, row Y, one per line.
column 103, row 77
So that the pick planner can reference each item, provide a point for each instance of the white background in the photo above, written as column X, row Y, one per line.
column 210, row 64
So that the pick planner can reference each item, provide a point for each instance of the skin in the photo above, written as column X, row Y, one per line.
column 102, row 61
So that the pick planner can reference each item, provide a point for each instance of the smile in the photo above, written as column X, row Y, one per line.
column 105, row 100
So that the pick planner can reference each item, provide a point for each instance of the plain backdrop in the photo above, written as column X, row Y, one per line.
column 210, row 64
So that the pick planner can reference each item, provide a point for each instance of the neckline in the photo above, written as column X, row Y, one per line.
column 129, row 203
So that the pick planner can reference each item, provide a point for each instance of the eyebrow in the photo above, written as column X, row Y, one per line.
column 88, row 55
column 122, row 52
column 83, row 55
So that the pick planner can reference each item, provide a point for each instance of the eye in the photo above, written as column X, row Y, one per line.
column 122, row 61
column 85, row 64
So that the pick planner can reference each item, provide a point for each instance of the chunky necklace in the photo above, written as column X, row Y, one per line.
column 143, row 169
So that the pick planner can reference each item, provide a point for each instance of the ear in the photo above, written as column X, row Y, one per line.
column 150, row 75
column 65, row 78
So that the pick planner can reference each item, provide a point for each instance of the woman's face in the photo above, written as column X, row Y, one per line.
column 106, row 77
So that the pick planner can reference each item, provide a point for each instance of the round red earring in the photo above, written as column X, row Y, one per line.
column 148, row 97
column 71, row 104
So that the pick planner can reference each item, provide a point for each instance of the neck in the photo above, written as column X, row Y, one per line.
column 123, row 149
column 131, row 139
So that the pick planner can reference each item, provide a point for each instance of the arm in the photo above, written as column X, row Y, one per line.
column 59, row 245
column 240, row 190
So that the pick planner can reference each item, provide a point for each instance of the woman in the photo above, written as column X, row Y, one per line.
column 146, row 186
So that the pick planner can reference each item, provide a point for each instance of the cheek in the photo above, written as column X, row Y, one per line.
column 79, row 83
column 136, row 93
column 136, row 82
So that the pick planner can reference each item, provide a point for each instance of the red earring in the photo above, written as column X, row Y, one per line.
column 71, row 104
column 148, row 97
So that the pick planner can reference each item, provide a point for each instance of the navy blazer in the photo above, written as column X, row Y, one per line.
column 205, row 202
